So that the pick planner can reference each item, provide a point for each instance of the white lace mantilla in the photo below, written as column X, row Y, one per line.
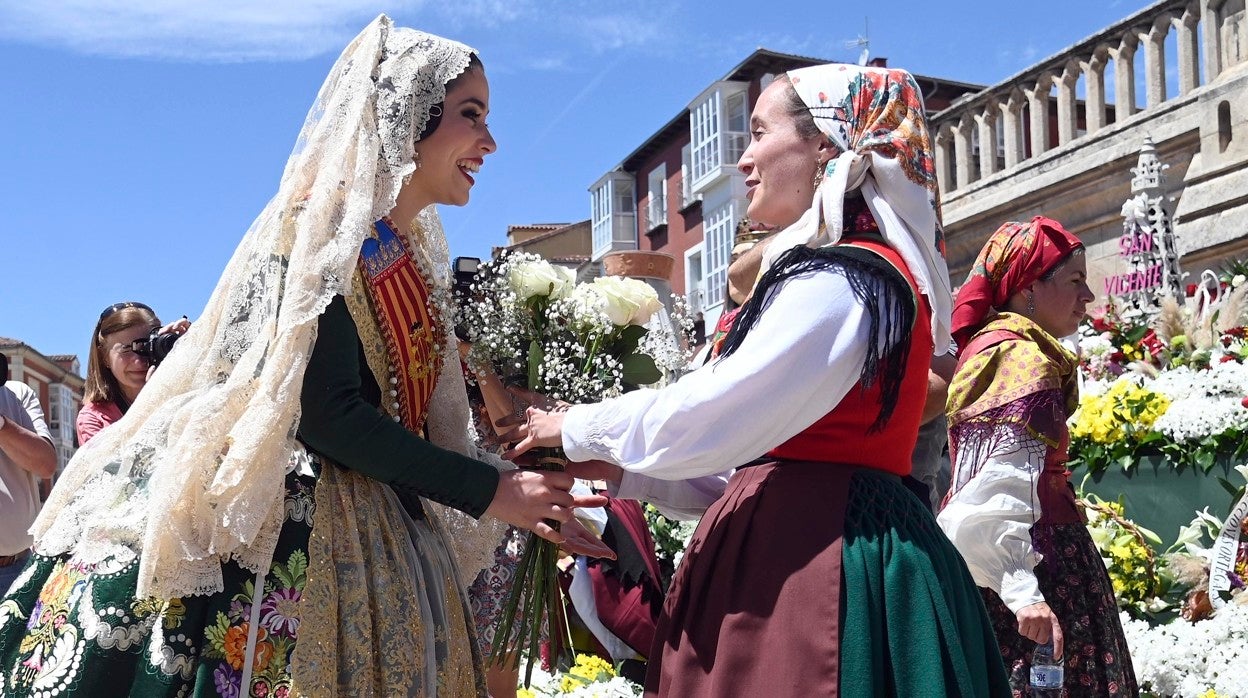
column 194, row 473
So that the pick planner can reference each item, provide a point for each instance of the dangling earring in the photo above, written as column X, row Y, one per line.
column 820, row 166
column 416, row 158
column 1031, row 305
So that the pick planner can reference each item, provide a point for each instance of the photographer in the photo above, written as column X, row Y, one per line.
column 126, row 345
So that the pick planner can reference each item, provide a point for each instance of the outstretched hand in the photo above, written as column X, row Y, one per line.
column 540, row 429
column 527, row 498
column 578, row 540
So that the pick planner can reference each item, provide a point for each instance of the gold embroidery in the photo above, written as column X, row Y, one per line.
column 382, row 597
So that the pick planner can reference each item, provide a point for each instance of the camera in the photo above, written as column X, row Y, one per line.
column 155, row 346
column 463, row 273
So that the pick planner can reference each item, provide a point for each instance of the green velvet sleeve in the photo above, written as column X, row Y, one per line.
column 341, row 425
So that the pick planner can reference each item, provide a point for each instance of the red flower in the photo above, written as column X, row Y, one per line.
column 1191, row 290
column 1117, row 357
column 1150, row 342
column 1225, row 358
column 1244, row 402
column 1101, row 325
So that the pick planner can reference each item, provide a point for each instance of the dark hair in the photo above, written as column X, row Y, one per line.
column 435, row 112
column 1053, row 270
column 797, row 109
column 101, row 384
column 4, row 368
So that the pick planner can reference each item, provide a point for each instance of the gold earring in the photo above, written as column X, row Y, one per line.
column 820, row 166
column 416, row 159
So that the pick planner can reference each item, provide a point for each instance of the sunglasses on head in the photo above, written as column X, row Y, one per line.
column 122, row 306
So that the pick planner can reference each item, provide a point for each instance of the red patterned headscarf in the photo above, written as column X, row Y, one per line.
column 1016, row 256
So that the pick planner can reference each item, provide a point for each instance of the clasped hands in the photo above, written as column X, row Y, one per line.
column 532, row 498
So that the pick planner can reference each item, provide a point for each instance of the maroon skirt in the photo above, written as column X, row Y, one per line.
column 794, row 558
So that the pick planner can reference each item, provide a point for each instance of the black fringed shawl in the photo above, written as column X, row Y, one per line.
column 877, row 284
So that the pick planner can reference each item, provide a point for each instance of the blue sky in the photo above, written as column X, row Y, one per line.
column 138, row 138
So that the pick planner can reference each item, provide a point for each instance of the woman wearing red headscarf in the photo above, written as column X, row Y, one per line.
column 1011, row 510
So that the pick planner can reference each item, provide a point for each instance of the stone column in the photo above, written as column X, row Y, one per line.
column 1185, row 34
column 962, row 150
column 1011, row 127
column 1038, row 105
column 1124, row 78
column 1211, row 56
column 1094, row 107
column 1154, row 41
column 944, row 159
column 1067, row 115
column 984, row 121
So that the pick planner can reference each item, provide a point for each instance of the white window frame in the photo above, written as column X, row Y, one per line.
column 695, row 283
column 686, row 176
column 656, row 210
column 613, row 214
column 736, row 135
column 704, row 138
column 720, row 226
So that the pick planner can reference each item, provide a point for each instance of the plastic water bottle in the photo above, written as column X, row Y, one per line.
column 1047, row 673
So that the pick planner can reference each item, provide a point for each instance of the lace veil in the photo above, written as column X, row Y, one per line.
column 193, row 475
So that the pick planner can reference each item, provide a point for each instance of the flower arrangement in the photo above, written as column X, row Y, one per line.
column 1126, row 549
column 531, row 323
column 589, row 677
column 1175, row 386
column 1200, row 650
column 1191, row 660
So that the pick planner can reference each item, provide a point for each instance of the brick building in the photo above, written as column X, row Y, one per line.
column 57, row 381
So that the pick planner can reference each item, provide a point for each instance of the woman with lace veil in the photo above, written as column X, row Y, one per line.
column 291, row 506
column 816, row 572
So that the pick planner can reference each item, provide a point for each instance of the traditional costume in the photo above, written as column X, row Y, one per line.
column 817, row 572
column 1011, row 510
column 286, row 508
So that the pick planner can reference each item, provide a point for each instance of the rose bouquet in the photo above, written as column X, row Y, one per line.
column 532, row 324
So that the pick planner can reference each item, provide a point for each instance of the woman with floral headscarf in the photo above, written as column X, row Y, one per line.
column 288, row 505
column 1011, row 509
column 817, row 572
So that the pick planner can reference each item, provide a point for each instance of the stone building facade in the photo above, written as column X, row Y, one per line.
column 1070, row 130
column 57, row 381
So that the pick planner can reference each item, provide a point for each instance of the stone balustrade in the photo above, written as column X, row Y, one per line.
column 998, row 129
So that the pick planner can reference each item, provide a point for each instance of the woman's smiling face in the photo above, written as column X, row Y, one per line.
column 780, row 163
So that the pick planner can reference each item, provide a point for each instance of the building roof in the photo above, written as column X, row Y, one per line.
column 759, row 62
column 10, row 342
column 553, row 230
column 63, row 357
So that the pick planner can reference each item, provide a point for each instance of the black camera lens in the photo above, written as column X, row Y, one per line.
column 155, row 347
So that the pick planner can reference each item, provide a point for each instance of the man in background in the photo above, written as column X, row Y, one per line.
column 26, row 457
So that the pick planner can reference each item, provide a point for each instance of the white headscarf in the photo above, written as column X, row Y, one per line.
column 875, row 116
column 193, row 475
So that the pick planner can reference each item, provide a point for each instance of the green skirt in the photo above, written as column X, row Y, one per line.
column 367, row 600
column 810, row 579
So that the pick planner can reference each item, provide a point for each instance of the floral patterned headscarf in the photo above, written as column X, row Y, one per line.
column 875, row 117
column 1015, row 257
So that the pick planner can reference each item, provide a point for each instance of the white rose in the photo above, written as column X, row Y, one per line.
column 1238, row 281
column 539, row 278
column 629, row 301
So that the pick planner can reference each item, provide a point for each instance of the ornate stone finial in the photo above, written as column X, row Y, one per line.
column 1148, row 170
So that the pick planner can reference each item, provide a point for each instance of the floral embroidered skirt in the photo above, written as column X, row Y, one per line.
column 816, row 579
column 1074, row 583
column 361, row 599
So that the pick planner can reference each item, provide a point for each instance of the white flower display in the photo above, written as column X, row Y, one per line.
column 628, row 301
column 537, row 277
column 1187, row 660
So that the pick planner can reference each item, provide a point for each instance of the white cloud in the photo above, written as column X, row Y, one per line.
column 220, row 30
column 610, row 32
column 243, row 30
